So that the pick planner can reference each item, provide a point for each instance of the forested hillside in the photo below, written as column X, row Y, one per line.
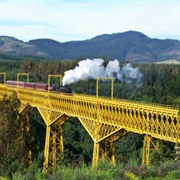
column 160, row 84
column 131, row 45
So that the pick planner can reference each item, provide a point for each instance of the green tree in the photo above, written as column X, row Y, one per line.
column 13, row 149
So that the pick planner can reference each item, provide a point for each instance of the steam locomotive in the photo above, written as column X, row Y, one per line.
column 38, row 86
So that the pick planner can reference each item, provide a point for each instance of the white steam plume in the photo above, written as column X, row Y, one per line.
column 94, row 68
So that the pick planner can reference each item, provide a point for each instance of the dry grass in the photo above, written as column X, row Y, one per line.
column 170, row 61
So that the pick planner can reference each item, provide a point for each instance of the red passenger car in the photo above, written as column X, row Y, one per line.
column 29, row 85
column 10, row 83
column 41, row 86
column 19, row 84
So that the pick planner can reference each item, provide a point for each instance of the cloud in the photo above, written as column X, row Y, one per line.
column 67, row 20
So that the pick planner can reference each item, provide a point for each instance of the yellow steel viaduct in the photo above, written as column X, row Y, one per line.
column 104, row 119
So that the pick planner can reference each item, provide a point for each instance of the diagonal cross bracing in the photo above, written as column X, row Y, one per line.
column 101, row 117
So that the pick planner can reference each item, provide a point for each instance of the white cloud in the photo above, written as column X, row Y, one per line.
column 79, row 20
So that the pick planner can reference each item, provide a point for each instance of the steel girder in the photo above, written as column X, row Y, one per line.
column 149, row 145
column 103, row 136
column 54, row 139
column 102, row 118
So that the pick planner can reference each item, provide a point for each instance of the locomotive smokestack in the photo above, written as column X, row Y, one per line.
column 94, row 68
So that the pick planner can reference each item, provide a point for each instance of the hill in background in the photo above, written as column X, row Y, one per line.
column 131, row 45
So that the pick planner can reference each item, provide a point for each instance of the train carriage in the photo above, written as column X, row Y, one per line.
column 29, row 85
column 38, row 86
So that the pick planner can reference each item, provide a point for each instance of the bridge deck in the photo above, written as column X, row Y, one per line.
column 161, row 122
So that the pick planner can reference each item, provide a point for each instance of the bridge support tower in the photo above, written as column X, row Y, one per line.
column 149, row 145
column 54, row 140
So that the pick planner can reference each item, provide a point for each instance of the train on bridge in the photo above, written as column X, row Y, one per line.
column 105, row 120
column 38, row 86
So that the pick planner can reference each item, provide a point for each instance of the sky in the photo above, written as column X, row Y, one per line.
column 69, row 20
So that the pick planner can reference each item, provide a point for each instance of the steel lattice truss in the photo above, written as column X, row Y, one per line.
column 104, row 119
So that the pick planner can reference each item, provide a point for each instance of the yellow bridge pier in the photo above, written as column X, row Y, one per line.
column 104, row 119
